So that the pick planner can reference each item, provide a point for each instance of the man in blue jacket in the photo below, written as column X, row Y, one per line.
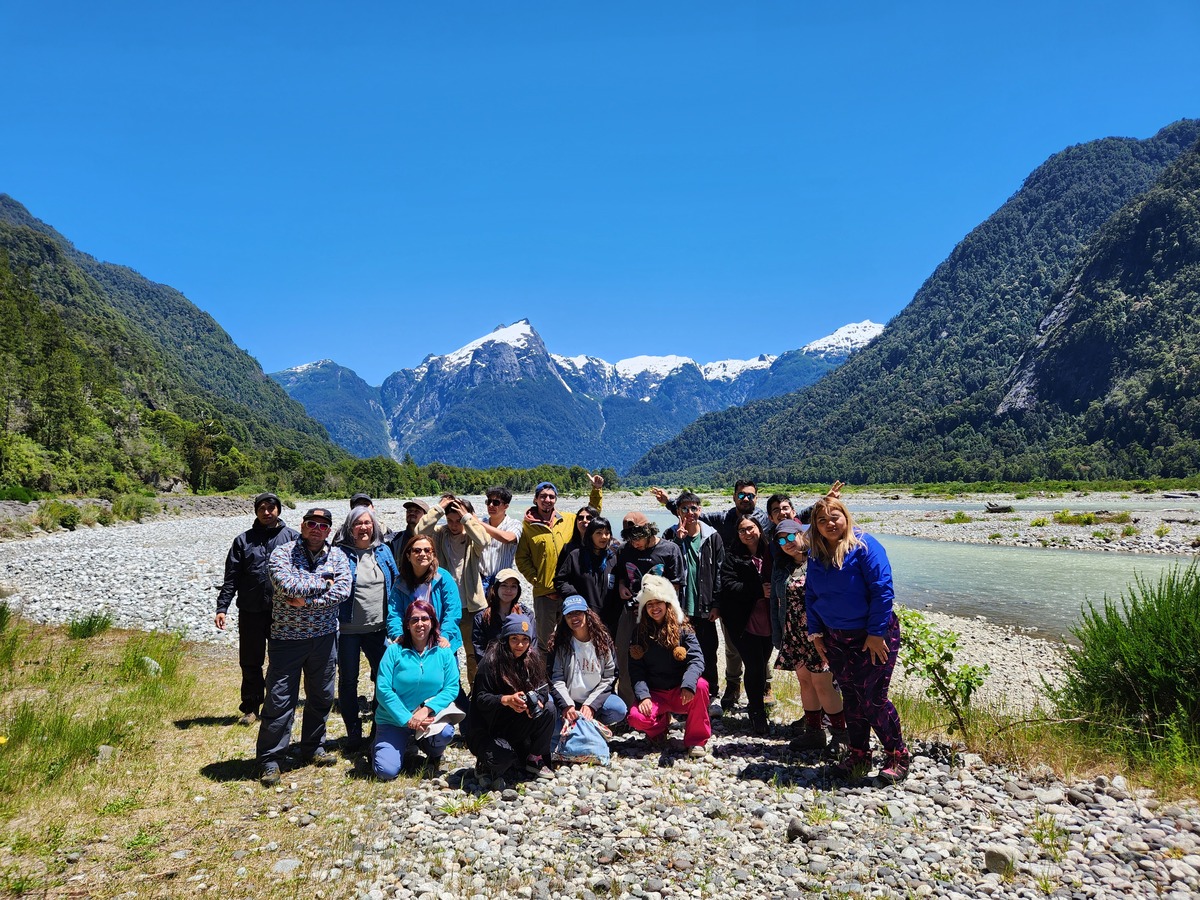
column 246, row 576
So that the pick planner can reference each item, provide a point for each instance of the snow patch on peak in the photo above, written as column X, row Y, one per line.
column 308, row 367
column 845, row 339
column 729, row 369
column 518, row 335
column 652, row 365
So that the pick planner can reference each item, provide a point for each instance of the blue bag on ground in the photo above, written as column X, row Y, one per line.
column 584, row 743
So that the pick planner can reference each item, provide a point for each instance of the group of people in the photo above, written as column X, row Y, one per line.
column 616, row 633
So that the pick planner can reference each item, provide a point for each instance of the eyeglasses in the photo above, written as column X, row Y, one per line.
column 689, row 509
column 420, row 551
column 790, row 538
column 495, row 502
column 748, row 529
column 746, row 495
column 316, row 526
column 412, row 619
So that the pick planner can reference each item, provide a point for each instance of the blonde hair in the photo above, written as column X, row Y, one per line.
column 831, row 553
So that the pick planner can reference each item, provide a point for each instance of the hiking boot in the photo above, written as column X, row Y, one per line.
column 433, row 766
column 352, row 743
column 895, row 766
column 729, row 700
column 838, row 738
column 698, row 752
column 538, row 769
column 715, row 710
column 854, row 764
column 322, row 757
column 808, row 739
column 270, row 774
column 759, row 724
column 411, row 763
column 248, row 718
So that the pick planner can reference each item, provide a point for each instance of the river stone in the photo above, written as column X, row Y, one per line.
column 1000, row 859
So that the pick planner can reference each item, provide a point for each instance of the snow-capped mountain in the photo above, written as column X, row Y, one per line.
column 844, row 341
column 504, row 400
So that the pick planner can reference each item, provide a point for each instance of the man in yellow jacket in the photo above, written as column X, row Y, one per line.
column 544, row 533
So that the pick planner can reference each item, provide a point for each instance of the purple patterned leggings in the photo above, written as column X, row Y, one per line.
column 864, row 687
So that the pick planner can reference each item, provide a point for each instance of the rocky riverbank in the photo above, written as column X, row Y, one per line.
column 753, row 819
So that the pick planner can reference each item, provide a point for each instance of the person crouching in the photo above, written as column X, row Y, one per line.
column 666, row 666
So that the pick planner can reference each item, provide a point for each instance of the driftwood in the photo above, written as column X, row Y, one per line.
column 998, row 508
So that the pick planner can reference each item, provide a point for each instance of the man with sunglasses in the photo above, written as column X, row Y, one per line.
column 246, row 576
column 544, row 533
column 502, row 531
column 311, row 578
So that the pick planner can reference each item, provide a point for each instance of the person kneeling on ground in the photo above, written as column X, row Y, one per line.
column 418, row 680
column 666, row 666
column 512, row 718
column 583, row 669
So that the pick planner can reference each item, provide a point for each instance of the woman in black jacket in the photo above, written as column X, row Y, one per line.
column 512, row 719
column 590, row 571
column 746, row 611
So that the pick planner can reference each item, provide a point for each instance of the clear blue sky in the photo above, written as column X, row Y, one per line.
column 373, row 182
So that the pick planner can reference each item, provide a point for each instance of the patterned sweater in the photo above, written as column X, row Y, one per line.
column 297, row 573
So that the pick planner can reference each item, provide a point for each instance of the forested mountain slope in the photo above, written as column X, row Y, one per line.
column 919, row 403
column 111, row 381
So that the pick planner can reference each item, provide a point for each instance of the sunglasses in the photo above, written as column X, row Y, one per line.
column 584, row 517
column 420, row 551
column 494, row 502
column 412, row 619
column 316, row 526
column 746, row 495
column 790, row 538
column 689, row 509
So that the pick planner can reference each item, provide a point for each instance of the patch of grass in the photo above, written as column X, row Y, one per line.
column 466, row 805
column 1129, row 531
column 1040, row 522
column 1066, row 517
column 1103, row 534
column 1050, row 836
column 1162, row 530
column 994, row 536
column 89, row 626
column 959, row 518
column 134, row 507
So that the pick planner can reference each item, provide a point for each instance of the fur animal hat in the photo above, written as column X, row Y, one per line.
column 655, row 587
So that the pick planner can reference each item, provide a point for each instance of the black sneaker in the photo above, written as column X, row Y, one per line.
column 270, row 774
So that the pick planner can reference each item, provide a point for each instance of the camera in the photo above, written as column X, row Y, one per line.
column 534, row 702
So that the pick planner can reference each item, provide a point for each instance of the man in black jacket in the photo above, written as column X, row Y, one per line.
column 246, row 575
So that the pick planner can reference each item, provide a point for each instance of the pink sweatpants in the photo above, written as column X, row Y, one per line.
column 698, row 728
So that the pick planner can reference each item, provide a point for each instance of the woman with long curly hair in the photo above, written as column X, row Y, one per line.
column 849, row 597
column 583, row 669
column 512, row 719
column 666, row 666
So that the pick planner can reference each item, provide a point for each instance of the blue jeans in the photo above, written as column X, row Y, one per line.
column 371, row 646
column 611, row 711
column 391, row 741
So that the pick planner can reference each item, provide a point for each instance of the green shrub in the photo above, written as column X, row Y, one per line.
column 1040, row 522
column 1162, row 530
column 58, row 513
column 89, row 626
column 928, row 651
column 104, row 516
column 1066, row 517
column 19, row 494
column 959, row 518
column 1129, row 531
column 1137, row 666
column 134, row 507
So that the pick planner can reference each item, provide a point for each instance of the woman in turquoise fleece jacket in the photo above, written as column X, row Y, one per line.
column 418, row 679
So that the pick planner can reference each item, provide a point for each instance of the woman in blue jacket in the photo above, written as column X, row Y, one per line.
column 362, row 617
column 849, row 595
column 418, row 679
column 421, row 579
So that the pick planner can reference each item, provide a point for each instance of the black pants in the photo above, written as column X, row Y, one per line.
column 512, row 737
column 756, row 655
column 254, row 627
column 706, row 633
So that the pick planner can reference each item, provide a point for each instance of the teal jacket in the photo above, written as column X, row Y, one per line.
column 443, row 596
column 408, row 679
